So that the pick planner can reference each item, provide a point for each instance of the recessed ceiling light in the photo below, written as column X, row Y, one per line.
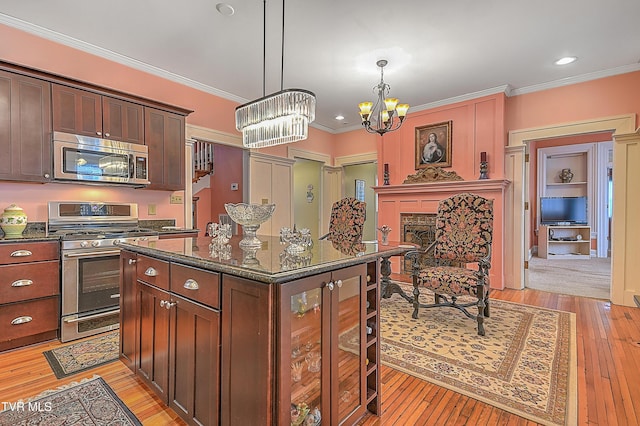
column 339, row 117
column 225, row 9
column 566, row 60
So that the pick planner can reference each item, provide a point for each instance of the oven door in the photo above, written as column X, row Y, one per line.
column 90, row 292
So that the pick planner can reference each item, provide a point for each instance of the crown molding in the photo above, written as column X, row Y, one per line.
column 576, row 79
column 115, row 57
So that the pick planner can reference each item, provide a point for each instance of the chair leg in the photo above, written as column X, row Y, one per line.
column 436, row 298
column 482, row 308
column 416, row 300
column 486, row 307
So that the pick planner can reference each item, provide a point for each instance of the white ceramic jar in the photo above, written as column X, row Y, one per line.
column 13, row 221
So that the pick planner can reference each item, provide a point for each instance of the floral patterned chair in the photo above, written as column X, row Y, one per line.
column 464, row 231
column 346, row 223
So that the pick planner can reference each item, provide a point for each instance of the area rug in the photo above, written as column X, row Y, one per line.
column 526, row 364
column 82, row 356
column 88, row 402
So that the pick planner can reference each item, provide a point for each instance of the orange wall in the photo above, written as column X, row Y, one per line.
column 604, row 97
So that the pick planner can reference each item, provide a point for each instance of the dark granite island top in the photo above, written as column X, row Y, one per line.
column 270, row 263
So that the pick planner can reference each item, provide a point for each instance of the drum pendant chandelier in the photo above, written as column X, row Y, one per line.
column 386, row 115
column 279, row 118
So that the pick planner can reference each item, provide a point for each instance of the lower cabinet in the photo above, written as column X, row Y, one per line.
column 176, row 340
column 29, row 293
column 323, row 358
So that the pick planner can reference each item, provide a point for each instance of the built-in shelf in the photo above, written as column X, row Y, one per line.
column 564, row 242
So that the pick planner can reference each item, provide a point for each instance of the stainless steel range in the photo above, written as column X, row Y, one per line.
column 91, row 261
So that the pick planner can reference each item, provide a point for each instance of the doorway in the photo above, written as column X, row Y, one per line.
column 307, row 187
column 516, row 221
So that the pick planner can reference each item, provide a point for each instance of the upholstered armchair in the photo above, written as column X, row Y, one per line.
column 346, row 222
column 462, row 258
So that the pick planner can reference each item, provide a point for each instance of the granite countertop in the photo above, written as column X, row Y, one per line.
column 34, row 232
column 270, row 263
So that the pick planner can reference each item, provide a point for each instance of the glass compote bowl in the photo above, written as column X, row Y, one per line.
column 250, row 216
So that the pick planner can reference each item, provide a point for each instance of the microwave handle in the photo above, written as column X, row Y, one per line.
column 132, row 162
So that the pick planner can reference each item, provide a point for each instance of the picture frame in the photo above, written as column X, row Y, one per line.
column 359, row 190
column 433, row 145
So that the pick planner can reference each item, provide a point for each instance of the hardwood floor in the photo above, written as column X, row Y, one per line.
column 608, row 343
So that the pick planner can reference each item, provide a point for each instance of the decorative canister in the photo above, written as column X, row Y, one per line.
column 566, row 175
column 13, row 221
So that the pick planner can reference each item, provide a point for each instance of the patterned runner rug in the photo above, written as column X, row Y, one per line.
column 82, row 356
column 526, row 364
column 89, row 402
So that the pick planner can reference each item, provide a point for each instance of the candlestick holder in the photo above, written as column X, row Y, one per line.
column 484, row 169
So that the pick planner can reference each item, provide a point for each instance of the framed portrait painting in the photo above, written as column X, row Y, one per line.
column 433, row 145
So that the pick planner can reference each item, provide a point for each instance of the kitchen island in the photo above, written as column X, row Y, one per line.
column 266, row 336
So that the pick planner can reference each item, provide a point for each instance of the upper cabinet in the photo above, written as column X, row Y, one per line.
column 164, row 134
column 82, row 112
column 25, row 128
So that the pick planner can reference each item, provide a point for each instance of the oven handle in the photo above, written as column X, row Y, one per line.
column 92, row 253
column 89, row 317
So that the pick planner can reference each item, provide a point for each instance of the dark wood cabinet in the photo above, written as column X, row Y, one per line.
column 174, row 340
column 25, row 128
column 164, row 135
column 82, row 112
column 251, row 345
column 29, row 293
column 128, row 308
column 194, row 361
column 152, row 357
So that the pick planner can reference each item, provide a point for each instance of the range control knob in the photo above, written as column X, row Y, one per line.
column 118, row 240
column 84, row 244
column 95, row 243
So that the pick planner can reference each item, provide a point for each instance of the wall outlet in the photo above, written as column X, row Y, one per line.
column 176, row 199
column 151, row 209
column 265, row 201
column 234, row 186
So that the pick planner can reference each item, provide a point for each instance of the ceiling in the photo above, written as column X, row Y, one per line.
column 438, row 52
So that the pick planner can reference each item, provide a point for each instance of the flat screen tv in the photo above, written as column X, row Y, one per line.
column 563, row 210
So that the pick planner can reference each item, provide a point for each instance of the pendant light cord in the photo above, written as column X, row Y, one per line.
column 282, row 52
column 264, row 49
column 264, row 46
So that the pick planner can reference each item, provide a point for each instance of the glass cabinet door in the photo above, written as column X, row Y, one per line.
column 348, row 332
column 306, row 355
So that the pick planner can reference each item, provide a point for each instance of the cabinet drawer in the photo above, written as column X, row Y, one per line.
column 196, row 284
column 29, row 252
column 26, row 318
column 153, row 271
column 30, row 281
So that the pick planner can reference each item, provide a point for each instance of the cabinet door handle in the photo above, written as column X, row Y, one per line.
column 132, row 261
column 21, row 253
column 99, row 133
column 151, row 272
column 21, row 283
column 330, row 285
column 191, row 284
column 339, row 282
column 167, row 304
column 21, row 320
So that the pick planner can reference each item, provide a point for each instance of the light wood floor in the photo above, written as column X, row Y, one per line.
column 608, row 343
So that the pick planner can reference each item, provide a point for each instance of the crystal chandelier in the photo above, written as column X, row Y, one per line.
column 386, row 115
column 280, row 117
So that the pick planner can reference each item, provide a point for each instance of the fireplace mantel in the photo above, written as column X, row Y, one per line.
column 448, row 186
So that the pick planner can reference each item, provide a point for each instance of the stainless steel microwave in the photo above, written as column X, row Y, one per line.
column 93, row 160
